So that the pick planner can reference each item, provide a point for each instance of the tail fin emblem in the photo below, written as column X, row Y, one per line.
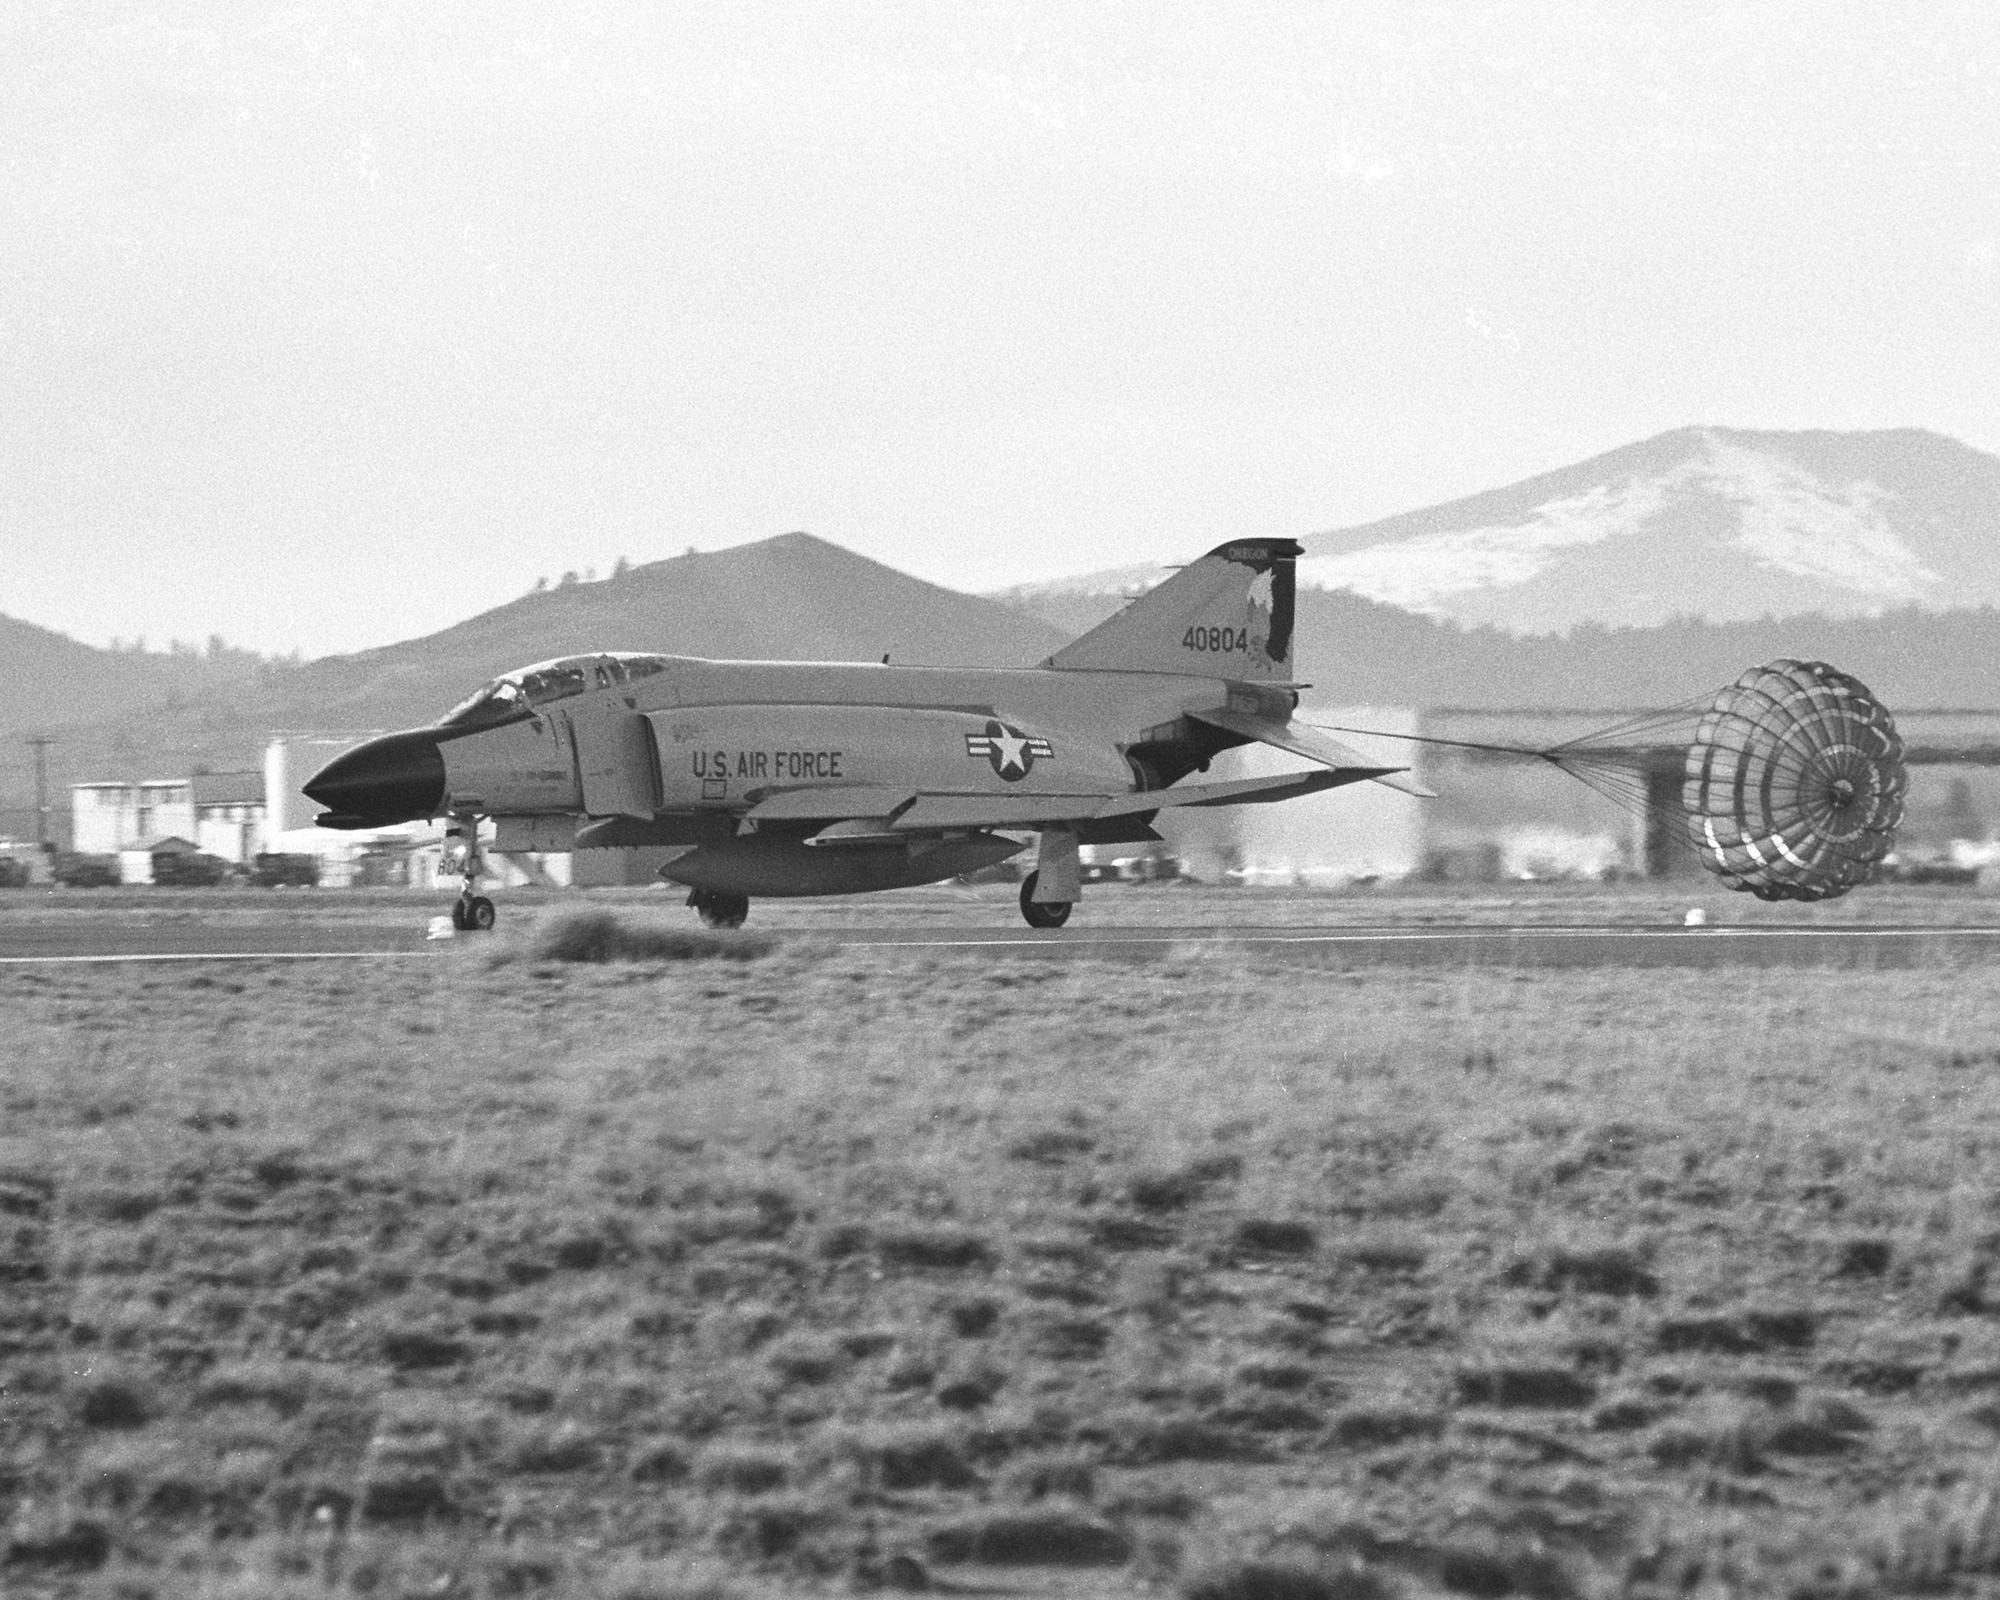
column 1011, row 753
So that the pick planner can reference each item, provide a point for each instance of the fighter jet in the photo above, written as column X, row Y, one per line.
column 815, row 778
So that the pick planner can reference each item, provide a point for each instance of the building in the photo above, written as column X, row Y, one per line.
column 229, row 812
column 110, row 818
column 217, row 813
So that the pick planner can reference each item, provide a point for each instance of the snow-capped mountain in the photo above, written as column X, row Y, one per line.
column 1717, row 523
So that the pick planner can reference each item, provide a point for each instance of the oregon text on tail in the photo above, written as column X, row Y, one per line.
column 1229, row 615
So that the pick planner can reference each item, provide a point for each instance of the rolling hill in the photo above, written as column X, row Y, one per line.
column 794, row 598
column 58, row 685
column 52, row 678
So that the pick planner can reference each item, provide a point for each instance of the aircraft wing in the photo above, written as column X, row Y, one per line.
column 1314, row 746
column 860, row 815
column 900, row 812
column 998, row 810
column 829, row 804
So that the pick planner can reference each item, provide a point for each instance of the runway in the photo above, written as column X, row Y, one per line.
column 1526, row 946
column 402, row 937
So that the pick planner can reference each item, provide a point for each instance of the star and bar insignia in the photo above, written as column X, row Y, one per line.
column 1012, row 753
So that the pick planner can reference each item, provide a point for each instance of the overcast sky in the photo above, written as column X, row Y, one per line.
column 324, row 325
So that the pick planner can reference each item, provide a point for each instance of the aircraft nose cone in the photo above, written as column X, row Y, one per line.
column 396, row 778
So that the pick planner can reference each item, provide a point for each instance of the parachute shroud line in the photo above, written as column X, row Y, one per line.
column 1792, row 777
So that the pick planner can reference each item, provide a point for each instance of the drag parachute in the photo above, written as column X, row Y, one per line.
column 1791, row 779
column 1794, row 782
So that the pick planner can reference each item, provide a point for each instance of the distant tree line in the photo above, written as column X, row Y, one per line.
column 589, row 575
column 217, row 652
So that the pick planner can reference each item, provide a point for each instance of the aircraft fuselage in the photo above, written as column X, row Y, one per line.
column 801, row 777
column 699, row 741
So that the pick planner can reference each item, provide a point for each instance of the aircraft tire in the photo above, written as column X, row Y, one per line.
column 479, row 914
column 1042, row 913
column 458, row 915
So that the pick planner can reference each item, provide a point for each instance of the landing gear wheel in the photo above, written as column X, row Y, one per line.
column 471, row 912
column 1042, row 913
column 719, row 910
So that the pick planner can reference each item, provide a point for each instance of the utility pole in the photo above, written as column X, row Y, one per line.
column 41, row 743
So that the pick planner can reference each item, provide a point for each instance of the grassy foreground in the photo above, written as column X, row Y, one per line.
column 499, row 1274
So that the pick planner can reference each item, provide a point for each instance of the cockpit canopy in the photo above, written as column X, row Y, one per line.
column 514, row 695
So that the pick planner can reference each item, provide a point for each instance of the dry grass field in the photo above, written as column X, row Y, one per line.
column 743, row 1265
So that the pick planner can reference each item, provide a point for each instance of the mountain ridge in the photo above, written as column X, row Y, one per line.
column 1727, row 524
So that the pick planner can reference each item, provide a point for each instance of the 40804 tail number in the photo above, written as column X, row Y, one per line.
column 1216, row 641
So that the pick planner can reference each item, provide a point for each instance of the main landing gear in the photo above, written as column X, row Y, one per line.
column 1051, row 891
column 719, row 910
column 471, row 912
column 1042, row 913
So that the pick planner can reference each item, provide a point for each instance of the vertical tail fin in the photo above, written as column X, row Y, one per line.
column 1229, row 615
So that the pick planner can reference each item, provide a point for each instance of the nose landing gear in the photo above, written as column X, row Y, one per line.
column 472, row 912
column 719, row 910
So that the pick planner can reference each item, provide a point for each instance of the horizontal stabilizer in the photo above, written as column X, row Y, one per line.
column 1235, row 791
column 1314, row 745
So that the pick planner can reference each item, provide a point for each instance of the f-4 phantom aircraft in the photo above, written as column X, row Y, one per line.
column 816, row 778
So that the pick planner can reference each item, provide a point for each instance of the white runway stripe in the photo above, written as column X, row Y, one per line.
column 201, row 955
column 1708, row 934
